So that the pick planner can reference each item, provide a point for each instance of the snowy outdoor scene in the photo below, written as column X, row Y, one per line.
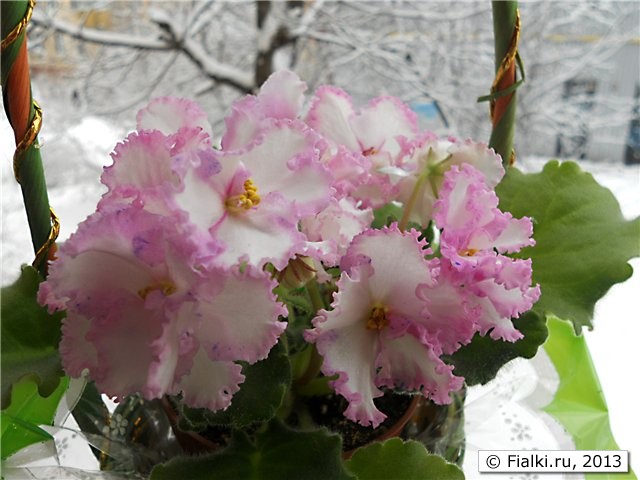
column 95, row 64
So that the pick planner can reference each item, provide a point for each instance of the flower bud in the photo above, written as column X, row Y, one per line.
column 298, row 272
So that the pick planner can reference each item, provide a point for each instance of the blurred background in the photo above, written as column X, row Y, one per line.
column 95, row 63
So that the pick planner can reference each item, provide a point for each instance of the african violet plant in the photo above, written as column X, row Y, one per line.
column 318, row 252
column 174, row 279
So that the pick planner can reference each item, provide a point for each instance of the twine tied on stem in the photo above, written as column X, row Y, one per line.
column 25, row 117
column 502, row 102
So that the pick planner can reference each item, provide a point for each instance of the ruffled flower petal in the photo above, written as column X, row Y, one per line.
column 141, row 161
column 380, row 122
column 395, row 277
column 335, row 226
column 281, row 96
column 498, row 326
column 349, row 349
column 209, row 383
column 123, row 337
column 515, row 236
column 285, row 159
column 408, row 363
column 170, row 114
column 258, row 237
column 239, row 320
column 330, row 113
column 243, row 123
column 76, row 352
column 449, row 317
column 432, row 156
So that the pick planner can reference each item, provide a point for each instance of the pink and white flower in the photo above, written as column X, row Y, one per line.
column 420, row 172
column 331, row 231
column 475, row 233
column 262, row 192
column 376, row 333
column 362, row 143
column 142, row 317
column 237, row 206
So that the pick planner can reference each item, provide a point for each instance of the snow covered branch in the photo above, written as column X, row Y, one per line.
column 98, row 36
column 171, row 39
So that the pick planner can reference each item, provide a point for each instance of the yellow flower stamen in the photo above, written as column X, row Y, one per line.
column 468, row 252
column 244, row 201
column 165, row 286
column 378, row 318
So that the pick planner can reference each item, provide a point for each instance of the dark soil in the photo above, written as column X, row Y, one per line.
column 328, row 412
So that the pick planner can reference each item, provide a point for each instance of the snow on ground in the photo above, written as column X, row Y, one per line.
column 73, row 162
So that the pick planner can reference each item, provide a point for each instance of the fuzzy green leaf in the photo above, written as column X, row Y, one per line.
column 583, row 242
column 397, row 459
column 258, row 399
column 28, row 410
column 480, row 360
column 30, row 338
column 278, row 452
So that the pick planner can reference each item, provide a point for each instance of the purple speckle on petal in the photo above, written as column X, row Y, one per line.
column 139, row 244
column 209, row 164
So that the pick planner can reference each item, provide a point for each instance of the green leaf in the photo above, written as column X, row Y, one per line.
column 258, row 399
column 397, row 459
column 583, row 242
column 28, row 410
column 579, row 403
column 30, row 338
column 480, row 360
column 386, row 215
column 277, row 453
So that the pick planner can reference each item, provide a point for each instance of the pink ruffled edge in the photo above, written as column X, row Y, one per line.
column 171, row 114
column 312, row 119
column 437, row 386
column 359, row 411
column 405, row 111
column 271, row 327
column 354, row 256
column 281, row 96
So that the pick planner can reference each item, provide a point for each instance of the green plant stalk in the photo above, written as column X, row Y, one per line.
column 417, row 191
column 30, row 170
column 314, row 358
column 503, row 132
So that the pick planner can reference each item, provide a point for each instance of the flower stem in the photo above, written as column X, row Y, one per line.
column 314, row 295
column 315, row 363
column 417, row 191
column 315, row 359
